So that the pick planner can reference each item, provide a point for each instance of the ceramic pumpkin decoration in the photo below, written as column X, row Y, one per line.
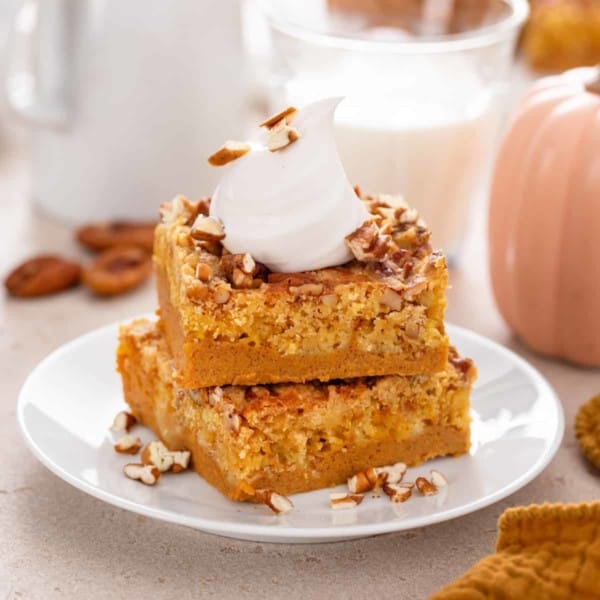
column 544, row 220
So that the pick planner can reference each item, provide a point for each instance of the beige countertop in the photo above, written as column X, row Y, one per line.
column 57, row 542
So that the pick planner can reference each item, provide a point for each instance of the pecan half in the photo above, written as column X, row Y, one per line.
column 42, row 275
column 100, row 236
column 117, row 270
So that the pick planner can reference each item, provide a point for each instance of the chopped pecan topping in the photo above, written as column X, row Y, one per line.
column 391, row 299
column 281, row 135
column 330, row 299
column 307, row 289
column 197, row 291
column 203, row 272
column 415, row 288
column 280, row 132
column 287, row 113
column 180, row 209
column 367, row 244
column 292, row 279
column 412, row 329
column 207, row 229
column 228, row 152
column 242, row 271
column 222, row 292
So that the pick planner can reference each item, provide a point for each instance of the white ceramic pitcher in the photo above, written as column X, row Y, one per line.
column 125, row 100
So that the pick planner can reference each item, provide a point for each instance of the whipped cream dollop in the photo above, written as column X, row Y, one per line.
column 292, row 208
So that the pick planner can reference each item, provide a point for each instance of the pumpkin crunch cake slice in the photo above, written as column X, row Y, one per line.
column 229, row 320
column 294, row 437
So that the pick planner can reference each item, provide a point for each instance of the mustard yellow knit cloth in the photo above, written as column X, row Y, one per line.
column 544, row 552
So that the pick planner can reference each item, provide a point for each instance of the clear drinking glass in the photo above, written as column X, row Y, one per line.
column 423, row 82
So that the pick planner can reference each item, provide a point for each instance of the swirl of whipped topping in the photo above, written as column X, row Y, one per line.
column 291, row 209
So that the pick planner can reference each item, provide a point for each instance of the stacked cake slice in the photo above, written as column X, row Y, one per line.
column 297, row 381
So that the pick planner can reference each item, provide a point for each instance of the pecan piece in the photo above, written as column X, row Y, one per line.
column 207, row 229
column 228, row 152
column 128, row 444
column 364, row 481
column 342, row 500
column 398, row 492
column 426, row 487
column 100, row 236
column 306, row 289
column 242, row 271
column 278, row 503
column 183, row 210
column 367, row 244
column 117, row 270
column 391, row 473
column 146, row 474
column 280, row 132
column 438, row 479
column 281, row 135
column 287, row 113
column 42, row 275
column 123, row 422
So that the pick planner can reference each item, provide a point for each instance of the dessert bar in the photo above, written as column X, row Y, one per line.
column 229, row 320
column 294, row 437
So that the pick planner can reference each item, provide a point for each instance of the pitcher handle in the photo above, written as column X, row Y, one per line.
column 38, row 97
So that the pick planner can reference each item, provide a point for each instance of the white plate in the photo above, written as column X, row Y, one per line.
column 69, row 401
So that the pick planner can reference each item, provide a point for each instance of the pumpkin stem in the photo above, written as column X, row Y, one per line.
column 593, row 86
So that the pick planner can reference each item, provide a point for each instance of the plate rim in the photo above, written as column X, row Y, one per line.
column 281, row 532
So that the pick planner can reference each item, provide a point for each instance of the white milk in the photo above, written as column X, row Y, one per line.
column 428, row 135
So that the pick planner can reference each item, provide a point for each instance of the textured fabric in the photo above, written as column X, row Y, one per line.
column 544, row 552
column 587, row 429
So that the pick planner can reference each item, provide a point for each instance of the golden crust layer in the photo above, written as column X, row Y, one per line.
column 294, row 437
column 227, row 320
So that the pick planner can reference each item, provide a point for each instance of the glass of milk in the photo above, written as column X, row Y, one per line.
column 423, row 82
